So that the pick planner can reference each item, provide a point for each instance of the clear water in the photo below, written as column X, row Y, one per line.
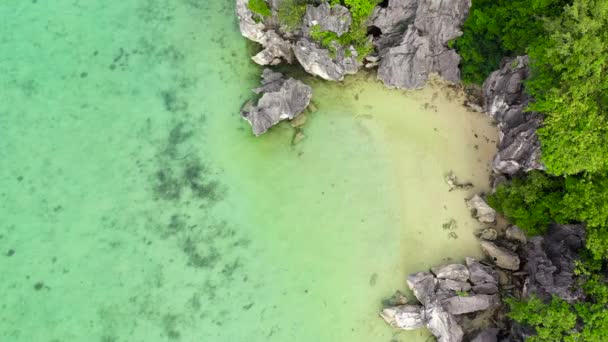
column 135, row 204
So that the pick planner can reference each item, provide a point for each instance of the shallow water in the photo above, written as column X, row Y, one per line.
column 137, row 206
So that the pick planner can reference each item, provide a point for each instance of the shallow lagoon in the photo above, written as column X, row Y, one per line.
column 137, row 206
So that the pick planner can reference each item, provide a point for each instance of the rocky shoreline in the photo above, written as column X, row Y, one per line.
column 410, row 38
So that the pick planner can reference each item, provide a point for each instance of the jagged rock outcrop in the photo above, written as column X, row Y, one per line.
column 505, row 100
column 396, row 17
column 280, row 46
column 276, row 48
column 501, row 256
column 422, row 50
column 335, row 18
column 282, row 99
column 481, row 210
column 551, row 262
column 320, row 62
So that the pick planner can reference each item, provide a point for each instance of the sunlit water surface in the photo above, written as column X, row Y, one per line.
column 136, row 205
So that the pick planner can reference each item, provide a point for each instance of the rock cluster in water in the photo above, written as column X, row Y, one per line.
column 446, row 294
column 410, row 39
column 282, row 99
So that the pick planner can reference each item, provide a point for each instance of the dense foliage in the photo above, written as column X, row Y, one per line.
column 559, row 320
column 534, row 201
column 259, row 7
column 567, row 42
column 499, row 28
column 570, row 86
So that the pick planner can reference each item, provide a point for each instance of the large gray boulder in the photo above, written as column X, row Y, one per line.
column 480, row 274
column 336, row 18
column 319, row 61
column 459, row 305
column 481, row 210
column 457, row 272
column 396, row 17
column 423, row 49
column 448, row 285
column 506, row 100
column 502, row 257
column 423, row 284
column 442, row 324
column 282, row 99
column 406, row 317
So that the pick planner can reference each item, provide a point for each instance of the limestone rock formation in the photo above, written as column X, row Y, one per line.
column 480, row 274
column 459, row 305
column 335, row 18
column 443, row 325
column 423, row 285
column 445, row 295
column 282, row 99
column 551, row 262
column 503, row 257
column 422, row 49
column 406, row 317
column 505, row 100
column 398, row 15
column 482, row 211
column 456, row 272
column 319, row 61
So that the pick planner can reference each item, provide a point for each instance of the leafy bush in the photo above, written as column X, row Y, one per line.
column 259, row 7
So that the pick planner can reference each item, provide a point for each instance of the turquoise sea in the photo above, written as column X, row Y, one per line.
column 136, row 205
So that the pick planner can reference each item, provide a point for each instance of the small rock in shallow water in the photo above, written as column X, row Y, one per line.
column 406, row 317
column 481, row 210
column 282, row 99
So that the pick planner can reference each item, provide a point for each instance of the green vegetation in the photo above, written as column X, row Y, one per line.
column 259, row 7
column 567, row 42
column 534, row 201
column 570, row 86
column 291, row 12
column 357, row 35
column 560, row 321
column 499, row 28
